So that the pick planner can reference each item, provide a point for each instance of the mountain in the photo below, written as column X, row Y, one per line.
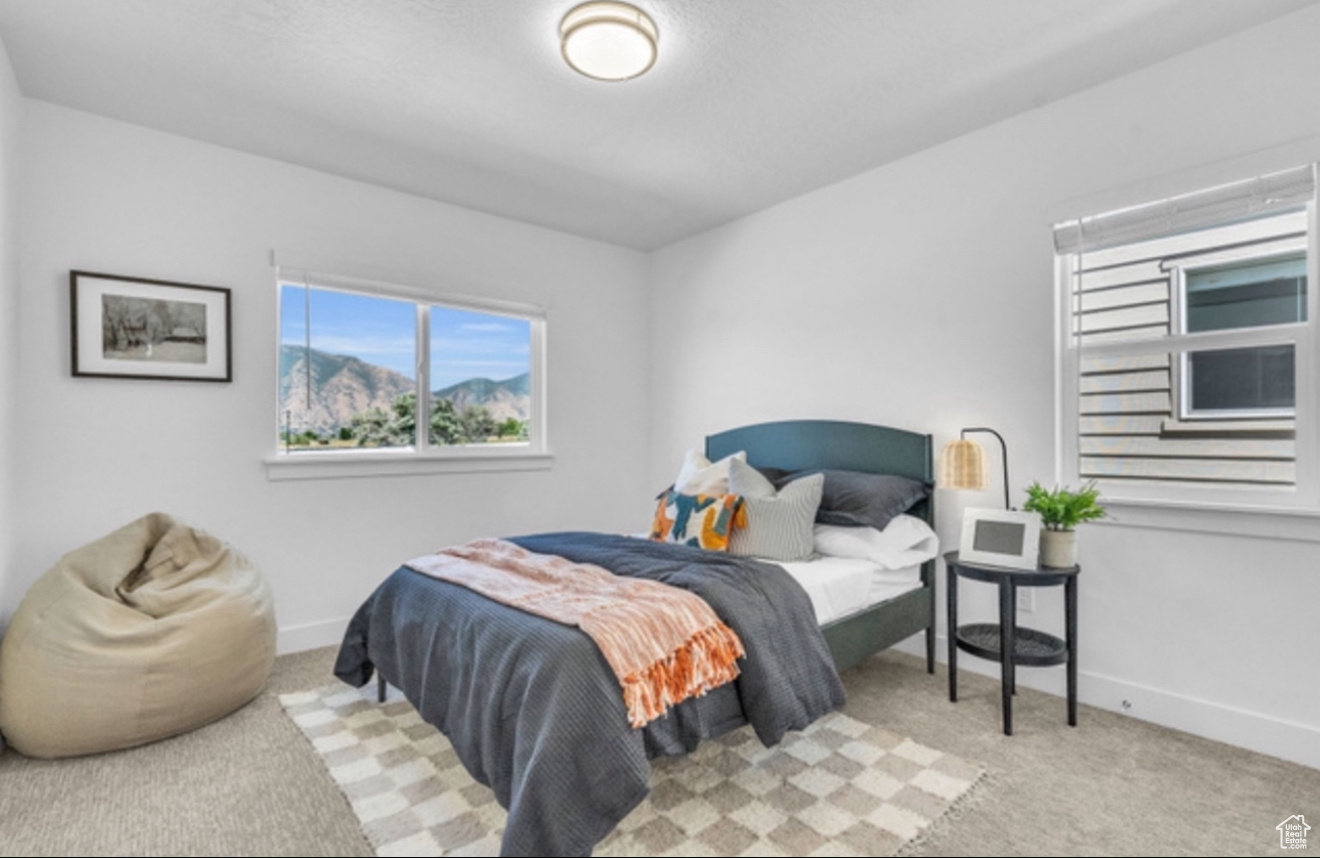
column 342, row 386
column 504, row 399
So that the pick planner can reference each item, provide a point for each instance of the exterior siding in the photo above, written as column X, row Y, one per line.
column 1129, row 422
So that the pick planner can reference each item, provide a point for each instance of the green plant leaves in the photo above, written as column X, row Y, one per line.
column 1062, row 508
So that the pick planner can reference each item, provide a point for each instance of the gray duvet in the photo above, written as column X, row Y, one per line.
column 535, row 713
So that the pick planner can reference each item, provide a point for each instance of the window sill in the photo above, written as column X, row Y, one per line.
column 392, row 463
column 1261, row 521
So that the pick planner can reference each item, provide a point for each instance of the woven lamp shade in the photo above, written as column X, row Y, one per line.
column 962, row 465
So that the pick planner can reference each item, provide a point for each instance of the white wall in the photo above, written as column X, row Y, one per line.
column 10, row 119
column 917, row 295
column 110, row 197
column 920, row 295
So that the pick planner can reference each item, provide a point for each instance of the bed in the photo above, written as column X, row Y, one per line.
column 797, row 445
column 532, row 711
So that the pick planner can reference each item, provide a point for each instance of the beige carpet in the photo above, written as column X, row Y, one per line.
column 251, row 784
column 841, row 787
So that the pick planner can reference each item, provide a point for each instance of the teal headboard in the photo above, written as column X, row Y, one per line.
column 795, row 445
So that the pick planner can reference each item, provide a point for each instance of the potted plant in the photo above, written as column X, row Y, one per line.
column 1061, row 510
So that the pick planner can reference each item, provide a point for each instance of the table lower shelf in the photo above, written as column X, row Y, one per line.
column 1031, row 648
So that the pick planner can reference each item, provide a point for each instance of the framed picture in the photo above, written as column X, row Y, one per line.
column 1000, row 537
column 130, row 327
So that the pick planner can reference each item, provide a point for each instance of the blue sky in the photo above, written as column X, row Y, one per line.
column 464, row 344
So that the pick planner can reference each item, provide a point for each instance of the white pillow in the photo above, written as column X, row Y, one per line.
column 748, row 482
column 905, row 541
column 699, row 477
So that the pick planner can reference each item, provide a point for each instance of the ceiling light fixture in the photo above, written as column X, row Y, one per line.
column 608, row 40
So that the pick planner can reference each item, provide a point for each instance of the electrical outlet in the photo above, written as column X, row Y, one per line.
column 1026, row 598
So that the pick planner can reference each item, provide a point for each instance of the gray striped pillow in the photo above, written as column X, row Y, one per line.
column 779, row 526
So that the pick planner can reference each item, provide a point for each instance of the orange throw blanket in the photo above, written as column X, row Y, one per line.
column 664, row 644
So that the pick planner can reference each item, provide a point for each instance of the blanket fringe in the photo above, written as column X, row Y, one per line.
column 706, row 660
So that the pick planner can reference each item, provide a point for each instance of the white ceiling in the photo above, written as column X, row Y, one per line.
column 751, row 102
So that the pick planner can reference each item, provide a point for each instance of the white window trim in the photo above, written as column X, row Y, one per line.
column 1219, row 519
column 1287, row 334
column 423, row 457
column 1184, row 507
column 391, row 463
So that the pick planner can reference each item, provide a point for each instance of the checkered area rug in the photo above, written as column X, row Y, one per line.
column 839, row 788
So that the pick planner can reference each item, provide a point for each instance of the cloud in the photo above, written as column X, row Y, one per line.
column 511, row 364
column 361, row 346
column 476, row 345
column 487, row 327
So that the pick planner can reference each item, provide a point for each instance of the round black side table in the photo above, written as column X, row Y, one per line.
column 1008, row 643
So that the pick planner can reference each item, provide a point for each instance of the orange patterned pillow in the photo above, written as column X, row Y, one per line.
column 704, row 521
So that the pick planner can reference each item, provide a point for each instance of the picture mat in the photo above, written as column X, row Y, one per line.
column 983, row 538
column 91, row 290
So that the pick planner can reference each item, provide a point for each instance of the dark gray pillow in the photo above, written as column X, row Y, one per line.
column 776, row 475
column 856, row 499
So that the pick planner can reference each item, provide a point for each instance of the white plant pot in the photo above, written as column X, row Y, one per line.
column 1058, row 548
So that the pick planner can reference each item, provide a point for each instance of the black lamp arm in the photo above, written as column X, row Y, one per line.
column 1003, row 445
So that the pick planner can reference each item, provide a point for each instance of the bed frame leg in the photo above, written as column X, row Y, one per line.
column 380, row 687
column 928, row 581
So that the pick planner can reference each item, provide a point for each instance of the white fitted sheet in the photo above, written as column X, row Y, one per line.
column 841, row 586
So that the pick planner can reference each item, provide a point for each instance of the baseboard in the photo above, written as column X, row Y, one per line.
column 311, row 635
column 1255, row 731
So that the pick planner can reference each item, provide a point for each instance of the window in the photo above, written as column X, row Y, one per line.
column 1188, row 359
column 375, row 369
column 1246, row 382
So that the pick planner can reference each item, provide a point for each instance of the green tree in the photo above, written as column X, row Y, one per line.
column 477, row 424
column 448, row 425
column 445, row 425
column 404, row 423
column 393, row 428
column 371, row 428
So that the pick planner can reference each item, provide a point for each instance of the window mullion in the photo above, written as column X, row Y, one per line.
column 423, row 436
column 1273, row 335
column 1180, row 372
column 537, row 425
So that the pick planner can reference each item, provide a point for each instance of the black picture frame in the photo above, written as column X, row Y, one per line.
column 136, row 327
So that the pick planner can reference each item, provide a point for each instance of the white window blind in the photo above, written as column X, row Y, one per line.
column 1220, row 206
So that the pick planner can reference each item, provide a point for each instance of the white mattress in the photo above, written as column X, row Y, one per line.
column 840, row 586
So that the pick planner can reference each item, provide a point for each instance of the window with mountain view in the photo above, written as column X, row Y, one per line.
column 362, row 370
column 480, row 377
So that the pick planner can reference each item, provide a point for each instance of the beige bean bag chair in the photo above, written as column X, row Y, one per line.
column 148, row 632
